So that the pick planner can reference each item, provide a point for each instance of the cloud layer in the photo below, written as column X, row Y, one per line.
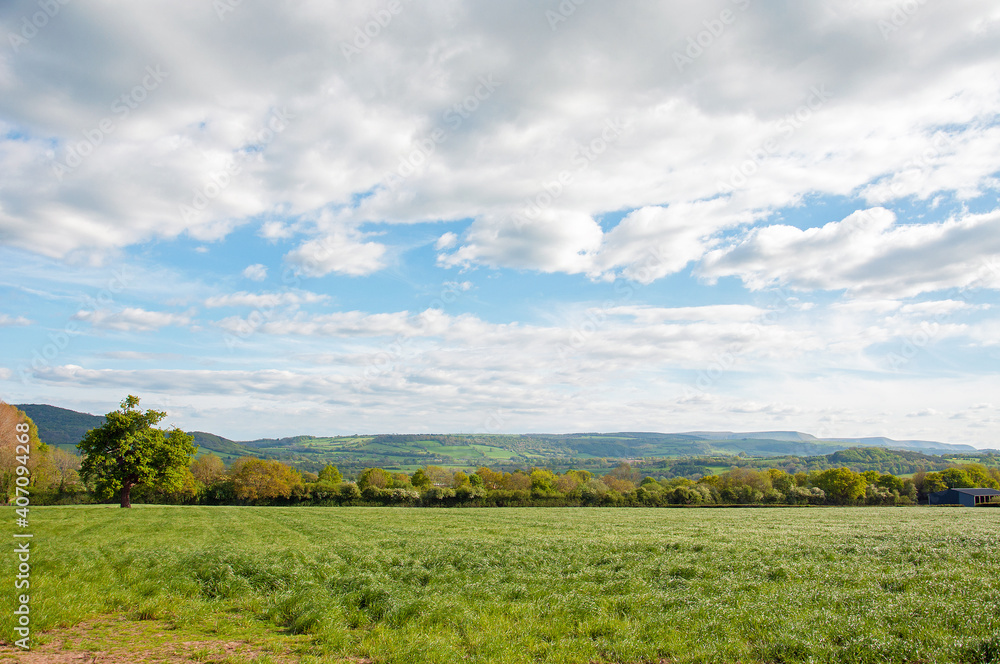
column 531, row 129
column 630, row 215
column 867, row 253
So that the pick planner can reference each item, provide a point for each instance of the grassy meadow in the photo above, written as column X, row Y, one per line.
column 269, row 584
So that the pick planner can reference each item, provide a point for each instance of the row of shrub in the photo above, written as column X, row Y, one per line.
column 259, row 482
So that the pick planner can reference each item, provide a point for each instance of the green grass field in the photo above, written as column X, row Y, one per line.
column 267, row 585
column 406, row 456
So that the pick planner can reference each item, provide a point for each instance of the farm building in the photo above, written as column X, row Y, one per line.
column 966, row 497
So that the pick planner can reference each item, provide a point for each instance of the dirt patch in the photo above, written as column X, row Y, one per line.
column 187, row 651
column 122, row 641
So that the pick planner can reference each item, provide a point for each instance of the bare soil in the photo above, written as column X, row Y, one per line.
column 117, row 640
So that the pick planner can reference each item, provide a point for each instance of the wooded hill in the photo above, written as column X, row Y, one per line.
column 668, row 454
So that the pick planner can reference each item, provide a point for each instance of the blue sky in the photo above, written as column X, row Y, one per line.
column 365, row 217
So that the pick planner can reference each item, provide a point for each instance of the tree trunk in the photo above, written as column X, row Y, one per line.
column 125, row 495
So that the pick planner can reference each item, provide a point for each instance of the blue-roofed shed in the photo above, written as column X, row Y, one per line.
column 966, row 497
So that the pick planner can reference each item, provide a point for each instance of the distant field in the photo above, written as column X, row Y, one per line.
column 404, row 456
column 267, row 585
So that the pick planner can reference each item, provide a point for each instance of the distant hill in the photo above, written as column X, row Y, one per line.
column 789, row 436
column 209, row 443
column 65, row 428
column 61, row 427
column 916, row 445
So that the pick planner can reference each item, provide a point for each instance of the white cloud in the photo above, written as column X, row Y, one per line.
column 653, row 242
column 711, row 313
column 963, row 162
column 554, row 241
column 137, row 355
column 646, row 245
column 341, row 398
column 431, row 322
column 131, row 319
column 573, row 349
column 340, row 252
column 937, row 308
column 446, row 241
column 986, row 333
column 256, row 272
column 7, row 320
column 627, row 340
column 777, row 411
column 276, row 230
column 301, row 129
column 264, row 300
column 867, row 253
column 657, row 368
column 857, row 308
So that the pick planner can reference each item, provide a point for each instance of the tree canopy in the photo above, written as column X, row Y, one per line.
column 841, row 484
column 257, row 479
column 11, row 451
column 128, row 450
column 330, row 475
column 207, row 469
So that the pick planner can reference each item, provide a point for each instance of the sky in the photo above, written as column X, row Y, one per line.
column 316, row 217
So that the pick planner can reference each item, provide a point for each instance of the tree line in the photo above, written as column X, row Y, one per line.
column 128, row 459
column 255, row 481
column 53, row 472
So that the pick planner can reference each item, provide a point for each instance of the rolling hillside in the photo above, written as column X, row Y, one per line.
column 712, row 449
column 61, row 427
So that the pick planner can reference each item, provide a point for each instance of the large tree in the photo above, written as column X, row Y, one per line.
column 128, row 450
column 259, row 479
column 19, row 446
column 375, row 477
column 330, row 475
column 842, row 485
column 208, row 469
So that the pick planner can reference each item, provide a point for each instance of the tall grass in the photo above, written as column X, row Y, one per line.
column 549, row 585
